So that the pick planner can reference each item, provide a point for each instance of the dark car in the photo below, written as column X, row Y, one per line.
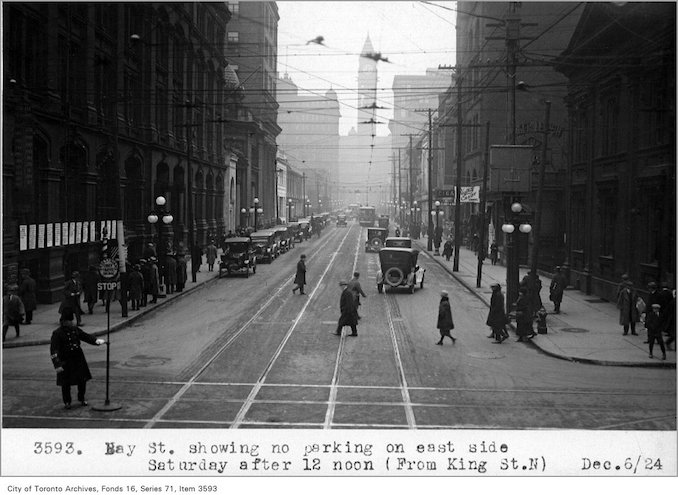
column 283, row 237
column 383, row 221
column 341, row 221
column 399, row 268
column 401, row 242
column 293, row 232
column 265, row 245
column 375, row 239
column 238, row 256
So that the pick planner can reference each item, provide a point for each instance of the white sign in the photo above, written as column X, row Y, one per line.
column 57, row 234
column 49, row 235
column 23, row 237
column 41, row 236
column 108, row 285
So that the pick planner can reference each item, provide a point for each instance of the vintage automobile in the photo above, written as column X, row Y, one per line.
column 304, row 229
column 283, row 237
column 293, row 232
column 341, row 221
column 402, row 242
column 399, row 268
column 383, row 221
column 265, row 245
column 238, row 256
column 375, row 239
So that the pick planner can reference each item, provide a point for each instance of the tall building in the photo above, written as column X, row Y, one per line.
column 107, row 106
column 367, row 88
column 310, row 136
column 253, row 53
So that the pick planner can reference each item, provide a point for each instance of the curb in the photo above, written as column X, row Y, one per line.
column 122, row 324
column 573, row 359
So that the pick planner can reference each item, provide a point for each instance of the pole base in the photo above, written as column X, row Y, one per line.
column 106, row 406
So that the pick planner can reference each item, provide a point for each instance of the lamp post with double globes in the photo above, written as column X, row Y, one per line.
column 245, row 217
column 256, row 210
column 513, row 221
column 415, row 220
column 161, row 213
column 289, row 210
column 437, row 233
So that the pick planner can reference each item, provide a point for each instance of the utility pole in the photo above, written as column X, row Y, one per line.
column 429, row 244
column 190, row 220
column 536, row 230
column 400, row 191
column 411, row 188
column 303, row 192
column 483, row 204
column 457, row 194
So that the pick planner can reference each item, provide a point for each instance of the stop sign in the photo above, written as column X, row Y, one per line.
column 108, row 268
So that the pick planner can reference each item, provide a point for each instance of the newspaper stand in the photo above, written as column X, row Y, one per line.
column 108, row 271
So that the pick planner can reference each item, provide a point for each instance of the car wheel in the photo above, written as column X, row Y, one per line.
column 394, row 276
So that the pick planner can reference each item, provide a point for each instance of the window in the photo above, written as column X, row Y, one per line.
column 607, row 209
column 233, row 37
column 234, row 7
column 610, row 131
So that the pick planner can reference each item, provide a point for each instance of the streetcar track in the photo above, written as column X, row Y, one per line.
column 233, row 337
column 255, row 390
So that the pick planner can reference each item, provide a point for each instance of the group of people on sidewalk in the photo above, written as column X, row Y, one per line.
column 658, row 311
column 18, row 304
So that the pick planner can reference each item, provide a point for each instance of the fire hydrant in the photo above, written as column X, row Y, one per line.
column 541, row 321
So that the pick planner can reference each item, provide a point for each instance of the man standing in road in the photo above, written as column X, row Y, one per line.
column 300, row 278
column 349, row 311
column 445, row 323
column 356, row 290
column 211, row 252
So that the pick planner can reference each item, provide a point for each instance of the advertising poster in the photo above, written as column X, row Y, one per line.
column 78, row 232
column 85, row 231
column 57, row 234
column 64, row 233
column 32, row 236
column 23, row 237
column 92, row 231
column 71, row 232
column 41, row 236
column 48, row 235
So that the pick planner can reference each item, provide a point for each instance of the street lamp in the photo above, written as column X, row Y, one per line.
column 161, row 213
column 436, row 236
column 289, row 210
column 307, row 208
column 256, row 210
column 320, row 206
column 515, row 221
column 415, row 220
column 244, row 216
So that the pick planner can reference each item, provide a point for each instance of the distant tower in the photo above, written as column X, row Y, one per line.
column 367, row 89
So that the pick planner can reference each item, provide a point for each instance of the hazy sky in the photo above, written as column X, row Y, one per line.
column 414, row 36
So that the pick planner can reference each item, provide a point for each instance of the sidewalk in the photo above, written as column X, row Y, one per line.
column 46, row 316
column 587, row 329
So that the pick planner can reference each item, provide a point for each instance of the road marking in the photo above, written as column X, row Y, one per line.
column 173, row 400
column 257, row 386
column 329, row 416
column 409, row 412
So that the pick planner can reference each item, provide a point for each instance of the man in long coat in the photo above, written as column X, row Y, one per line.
column 349, row 311
column 170, row 273
column 626, row 302
column 300, row 278
column 27, row 294
column 12, row 311
column 654, row 325
column 136, row 287
column 182, row 275
column 154, row 279
column 356, row 289
column 211, row 253
column 90, row 280
column 71, row 297
column 556, row 289
column 68, row 359
column 497, row 319
column 445, row 323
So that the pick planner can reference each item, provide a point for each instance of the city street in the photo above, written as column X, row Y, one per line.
column 247, row 353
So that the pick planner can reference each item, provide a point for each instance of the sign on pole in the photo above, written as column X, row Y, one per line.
column 510, row 168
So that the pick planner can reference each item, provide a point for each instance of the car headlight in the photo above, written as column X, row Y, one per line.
column 247, row 262
column 268, row 250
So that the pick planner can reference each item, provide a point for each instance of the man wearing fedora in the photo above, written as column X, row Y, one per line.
column 445, row 322
column 653, row 323
column 497, row 319
column 300, row 277
column 349, row 310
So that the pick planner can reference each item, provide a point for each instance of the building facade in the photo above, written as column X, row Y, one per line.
column 106, row 107
column 621, row 97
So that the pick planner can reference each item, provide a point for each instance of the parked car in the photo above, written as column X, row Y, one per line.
column 293, row 232
column 304, row 229
column 402, row 242
column 283, row 237
column 399, row 268
column 375, row 239
column 238, row 257
column 383, row 221
column 341, row 221
column 265, row 245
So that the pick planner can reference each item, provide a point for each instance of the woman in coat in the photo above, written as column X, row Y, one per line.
column 497, row 319
column 27, row 294
column 523, row 316
column 300, row 278
column 170, row 273
column 68, row 359
column 445, row 323
column 182, row 275
column 626, row 302
column 556, row 289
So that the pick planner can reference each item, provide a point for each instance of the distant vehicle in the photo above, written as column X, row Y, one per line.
column 283, row 237
column 367, row 216
column 402, row 242
column 238, row 256
column 265, row 245
column 341, row 221
column 353, row 210
column 383, row 221
column 304, row 230
column 293, row 232
column 375, row 239
column 399, row 268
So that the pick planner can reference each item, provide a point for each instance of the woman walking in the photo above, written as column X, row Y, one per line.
column 445, row 322
column 69, row 360
column 523, row 316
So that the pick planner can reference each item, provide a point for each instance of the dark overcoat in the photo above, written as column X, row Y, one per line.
column 497, row 316
column 12, row 309
column 136, row 284
column 445, row 322
column 626, row 302
column 170, row 270
column 557, row 287
column 27, row 293
column 182, row 276
column 71, row 298
column 653, row 323
column 348, row 308
column 90, row 279
column 66, row 353
column 300, row 278
column 523, row 317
